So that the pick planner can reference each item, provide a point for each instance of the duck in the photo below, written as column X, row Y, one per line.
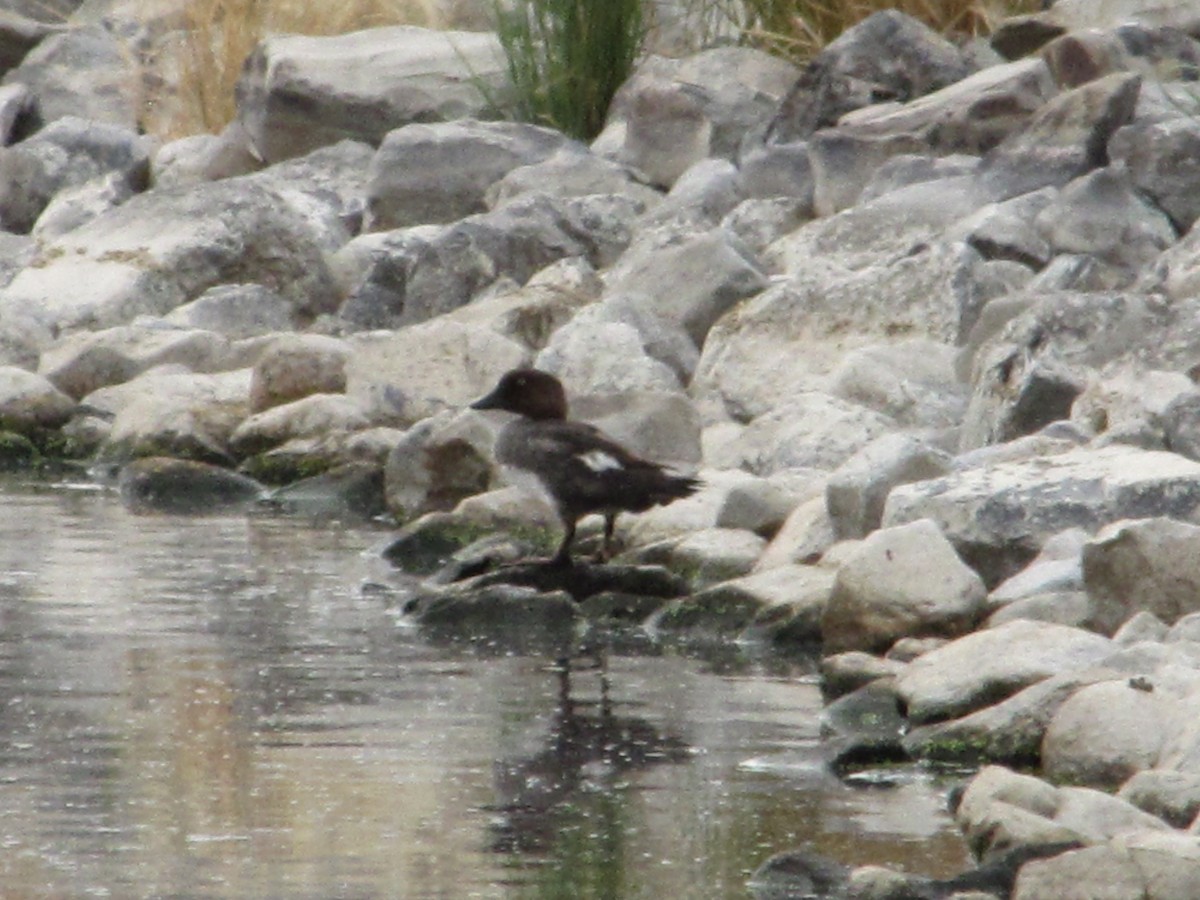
column 578, row 466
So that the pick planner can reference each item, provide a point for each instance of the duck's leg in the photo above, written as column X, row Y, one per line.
column 604, row 554
column 563, row 555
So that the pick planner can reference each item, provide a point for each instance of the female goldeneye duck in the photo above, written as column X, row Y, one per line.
column 583, row 470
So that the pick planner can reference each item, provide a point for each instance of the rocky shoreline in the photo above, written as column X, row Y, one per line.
column 923, row 316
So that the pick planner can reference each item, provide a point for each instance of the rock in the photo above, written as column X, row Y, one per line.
column 424, row 272
column 441, row 172
column 782, row 605
column 1066, row 137
column 165, row 247
column 1102, row 214
column 1142, row 865
column 998, row 516
column 701, row 196
column 1061, row 607
column 1141, row 626
column 908, row 169
column 1005, row 231
column 315, row 415
column 439, row 462
column 351, row 491
column 1105, row 733
column 505, row 617
column 89, row 360
column 29, row 402
column 76, row 206
column 19, row 35
column 814, row 430
column 1161, row 160
column 662, row 426
column 762, row 505
column 672, row 113
column 204, row 157
column 798, row 873
column 898, row 582
column 778, row 170
column 863, row 728
column 236, row 311
column 886, row 56
column 1014, row 398
column 912, row 381
column 180, row 486
column 1056, row 568
column 297, row 93
column 689, row 279
column 709, row 556
column 804, row 537
column 532, row 313
column 174, row 414
column 1172, row 796
column 68, row 153
column 84, row 71
column 843, row 673
column 1133, row 404
column 1141, row 565
column 987, row 666
column 295, row 366
column 856, row 490
column 571, row 171
column 410, row 374
column 1010, row 731
column 759, row 223
column 597, row 351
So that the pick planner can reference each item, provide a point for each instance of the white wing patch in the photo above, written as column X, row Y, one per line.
column 599, row 461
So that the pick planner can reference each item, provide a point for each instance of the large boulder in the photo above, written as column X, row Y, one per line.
column 298, row 93
column 166, row 247
column 987, row 666
column 437, row 173
column 900, row 582
column 67, row 153
column 998, row 516
column 1142, row 565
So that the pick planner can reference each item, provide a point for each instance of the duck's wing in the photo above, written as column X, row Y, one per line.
column 584, row 463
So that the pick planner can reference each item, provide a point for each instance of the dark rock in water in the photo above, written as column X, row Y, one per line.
column 582, row 580
column 425, row 545
column 503, row 617
column 165, row 484
column 797, row 874
column 864, row 728
column 16, row 451
column 354, row 490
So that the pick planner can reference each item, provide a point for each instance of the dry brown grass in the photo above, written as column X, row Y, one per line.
column 798, row 29
column 204, row 58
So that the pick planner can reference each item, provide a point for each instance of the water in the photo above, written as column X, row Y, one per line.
column 214, row 708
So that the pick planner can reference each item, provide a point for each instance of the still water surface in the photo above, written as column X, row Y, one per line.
column 215, row 708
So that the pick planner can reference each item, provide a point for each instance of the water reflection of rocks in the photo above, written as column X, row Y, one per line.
column 588, row 748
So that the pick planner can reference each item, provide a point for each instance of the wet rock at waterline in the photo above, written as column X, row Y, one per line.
column 163, row 484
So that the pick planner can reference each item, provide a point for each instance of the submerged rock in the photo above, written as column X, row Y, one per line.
column 163, row 484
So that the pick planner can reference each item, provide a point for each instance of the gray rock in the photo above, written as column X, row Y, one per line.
column 19, row 35
column 182, row 414
column 1102, row 214
column 1064, row 139
column 85, row 72
column 998, row 516
column 888, row 55
column 691, row 279
column 441, row 172
column 844, row 162
column 316, row 415
column 16, row 109
column 406, row 375
column 1181, row 425
column 67, row 153
column 1140, row 866
column 182, row 486
column 350, row 491
column 76, row 206
column 1141, row 626
column 904, row 170
column 1105, row 733
column 1172, row 796
column 1061, row 607
column 1005, row 230
column 1016, row 396
column 803, row 538
column 423, row 272
column 856, row 490
column 703, row 104
column 600, row 349
column 813, row 430
column 571, row 171
column 163, row 248
column 439, row 462
column 89, row 360
column 295, row 366
column 912, row 381
column 1057, row 567
column 779, row 170
column 758, row 223
column 297, row 93
column 1132, row 404
column 709, row 556
column 982, row 668
column 844, row 673
column 204, row 157
column 1146, row 564
column 29, row 401
column 236, row 311
column 1161, row 158
column 899, row 582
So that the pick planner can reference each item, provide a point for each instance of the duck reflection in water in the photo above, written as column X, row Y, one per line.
column 589, row 747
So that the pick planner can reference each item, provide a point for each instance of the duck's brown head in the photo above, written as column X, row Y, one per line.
column 528, row 392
